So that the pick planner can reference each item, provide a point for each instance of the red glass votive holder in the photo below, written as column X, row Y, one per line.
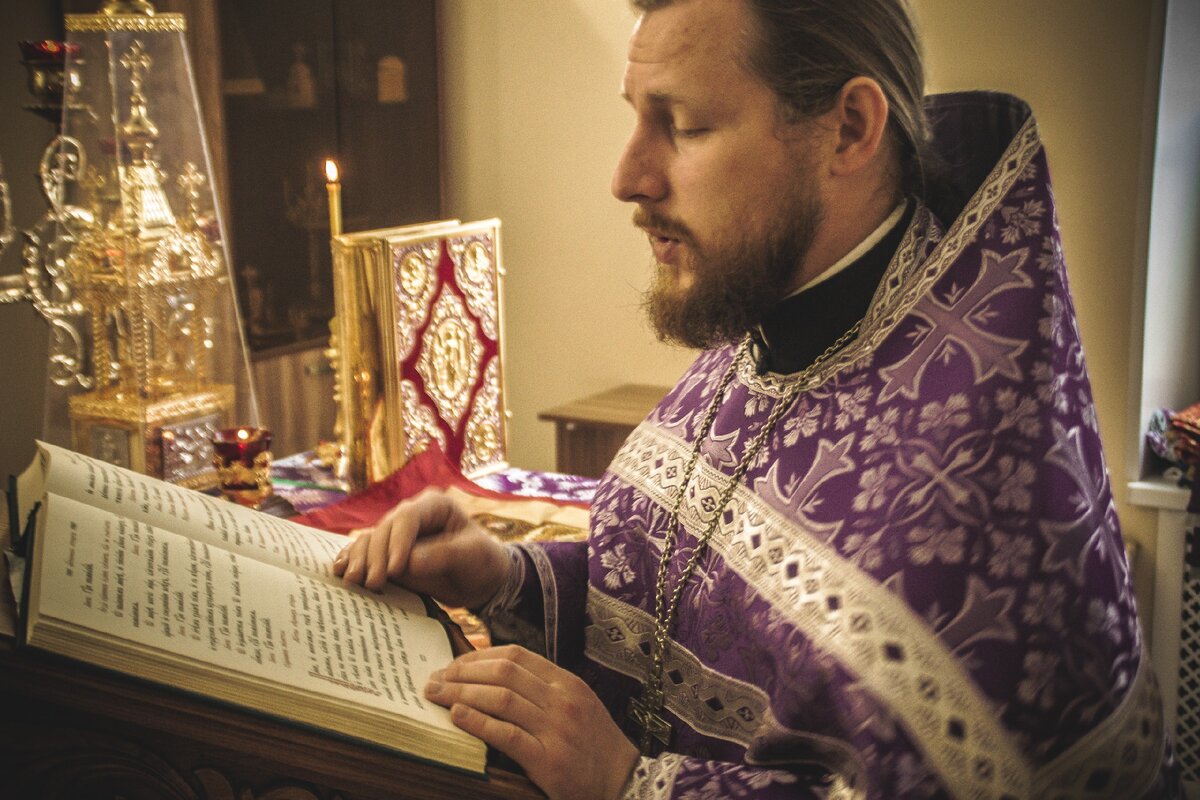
column 243, row 461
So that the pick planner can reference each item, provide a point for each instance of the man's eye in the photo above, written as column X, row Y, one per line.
column 687, row 133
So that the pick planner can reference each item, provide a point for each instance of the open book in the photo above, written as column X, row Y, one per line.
column 168, row 585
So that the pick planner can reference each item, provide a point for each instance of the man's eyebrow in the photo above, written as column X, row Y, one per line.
column 662, row 99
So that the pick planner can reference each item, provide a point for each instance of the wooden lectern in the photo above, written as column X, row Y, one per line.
column 70, row 731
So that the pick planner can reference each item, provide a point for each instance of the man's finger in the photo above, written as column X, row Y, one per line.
column 498, row 702
column 537, row 666
column 387, row 551
column 501, row 673
column 512, row 740
column 355, row 567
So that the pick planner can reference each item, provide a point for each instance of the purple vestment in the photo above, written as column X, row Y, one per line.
column 919, row 589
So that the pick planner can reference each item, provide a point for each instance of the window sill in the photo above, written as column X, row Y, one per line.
column 1158, row 493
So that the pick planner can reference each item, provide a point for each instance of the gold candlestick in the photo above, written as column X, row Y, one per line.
column 334, row 188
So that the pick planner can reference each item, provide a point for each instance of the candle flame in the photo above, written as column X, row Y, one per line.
column 331, row 170
column 243, row 434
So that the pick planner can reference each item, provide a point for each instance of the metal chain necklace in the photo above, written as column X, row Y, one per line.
column 646, row 711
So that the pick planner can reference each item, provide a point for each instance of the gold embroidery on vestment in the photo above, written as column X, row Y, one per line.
column 1127, row 747
column 653, row 778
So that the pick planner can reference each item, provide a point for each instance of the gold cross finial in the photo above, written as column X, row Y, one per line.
column 137, row 61
column 190, row 182
column 142, row 132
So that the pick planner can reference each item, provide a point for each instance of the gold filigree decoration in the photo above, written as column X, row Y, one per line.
column 237, row 475
column 116, row 406
column 420, row 422
column 484, row 445
column 450, row 358
column 475, row 270
column 126, row 23
column 185, row 255
column 414, row 277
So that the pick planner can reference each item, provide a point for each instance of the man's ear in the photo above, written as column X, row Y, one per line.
column 860, row 116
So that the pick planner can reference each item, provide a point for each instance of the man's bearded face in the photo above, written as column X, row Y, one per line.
column 725, row 188
column 718, row 291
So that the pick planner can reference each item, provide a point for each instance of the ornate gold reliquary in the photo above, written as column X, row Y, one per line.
column 129, row 265
column 417, row 348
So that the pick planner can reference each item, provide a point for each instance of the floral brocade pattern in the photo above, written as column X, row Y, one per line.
column 919, row 589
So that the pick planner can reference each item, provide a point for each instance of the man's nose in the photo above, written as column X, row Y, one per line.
column 638, row 177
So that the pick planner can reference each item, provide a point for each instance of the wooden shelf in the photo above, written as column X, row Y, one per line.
column 589, row 431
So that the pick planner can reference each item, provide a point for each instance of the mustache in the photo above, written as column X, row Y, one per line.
column 662, row 225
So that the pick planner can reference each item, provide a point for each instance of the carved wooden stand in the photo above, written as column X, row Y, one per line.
column 67, row 731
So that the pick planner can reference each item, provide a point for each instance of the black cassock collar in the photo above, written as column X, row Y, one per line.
column 802, row 326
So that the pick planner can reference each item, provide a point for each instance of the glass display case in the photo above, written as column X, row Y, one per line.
column 346, row 79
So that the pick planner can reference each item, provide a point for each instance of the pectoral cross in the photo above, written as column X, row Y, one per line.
column 644, row 711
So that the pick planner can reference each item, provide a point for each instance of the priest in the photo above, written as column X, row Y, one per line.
column 867, row 546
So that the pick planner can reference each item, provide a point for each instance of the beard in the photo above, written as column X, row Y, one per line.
column 734, row 283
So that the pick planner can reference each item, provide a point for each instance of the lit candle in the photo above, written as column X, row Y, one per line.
column 243, row 462
column 335, row 197
column 243, row 443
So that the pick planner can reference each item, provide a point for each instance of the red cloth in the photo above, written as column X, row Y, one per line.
column 429, row 468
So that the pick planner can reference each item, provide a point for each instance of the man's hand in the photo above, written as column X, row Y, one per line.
column 428, row 544
column 542, row 716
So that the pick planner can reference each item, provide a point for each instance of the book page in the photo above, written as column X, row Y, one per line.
column 213, row 520
column 189, row 599
column 30, row 487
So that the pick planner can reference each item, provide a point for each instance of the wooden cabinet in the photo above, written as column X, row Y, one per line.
column 295, row 397
column 351, row 80
column 590, row 431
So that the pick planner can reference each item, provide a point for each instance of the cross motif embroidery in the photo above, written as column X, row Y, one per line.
column 1071, row 541
column 800, row 491
column 957, row 322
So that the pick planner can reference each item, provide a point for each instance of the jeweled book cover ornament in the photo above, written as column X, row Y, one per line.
column 417, row 347
column 129, row 265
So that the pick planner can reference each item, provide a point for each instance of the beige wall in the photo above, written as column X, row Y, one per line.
column 535, row 124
